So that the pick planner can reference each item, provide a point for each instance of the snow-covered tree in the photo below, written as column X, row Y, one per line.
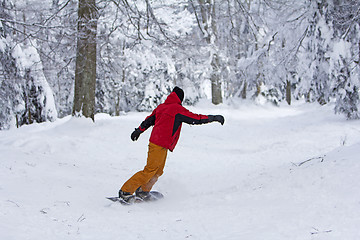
column 142, row 55
column 346, row 55
column 25, row 93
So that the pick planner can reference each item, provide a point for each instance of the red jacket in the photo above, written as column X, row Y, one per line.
column 167, row 119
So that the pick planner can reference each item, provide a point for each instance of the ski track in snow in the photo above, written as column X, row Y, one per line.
column 269, row 173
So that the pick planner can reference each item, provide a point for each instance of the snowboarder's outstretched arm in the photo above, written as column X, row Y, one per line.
column 194, row 119
column 148, row 122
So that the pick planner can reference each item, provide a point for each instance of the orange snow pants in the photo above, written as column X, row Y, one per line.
column 152, row 171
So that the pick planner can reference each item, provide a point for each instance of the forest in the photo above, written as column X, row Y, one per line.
column 80, row 58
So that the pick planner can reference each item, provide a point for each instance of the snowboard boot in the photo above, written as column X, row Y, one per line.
column 127, row 197
column 145, row 196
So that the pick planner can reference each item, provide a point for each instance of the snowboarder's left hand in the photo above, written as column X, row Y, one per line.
column 135, row 135
column 217, row 118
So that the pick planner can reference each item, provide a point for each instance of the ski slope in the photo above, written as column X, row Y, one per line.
column 274, row 173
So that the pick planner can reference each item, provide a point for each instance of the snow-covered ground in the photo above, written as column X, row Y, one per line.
column 274, row 173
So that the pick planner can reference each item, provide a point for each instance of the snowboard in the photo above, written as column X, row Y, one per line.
column 154, row 196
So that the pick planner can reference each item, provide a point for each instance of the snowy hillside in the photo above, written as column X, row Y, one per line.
column 274, row 173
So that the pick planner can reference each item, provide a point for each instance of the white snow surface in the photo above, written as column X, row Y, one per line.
column 274, row 173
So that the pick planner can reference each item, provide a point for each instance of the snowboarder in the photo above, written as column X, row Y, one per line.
column 167, row 119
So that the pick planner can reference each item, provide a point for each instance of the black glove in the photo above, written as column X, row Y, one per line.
column 217, row 118
column 135, row 135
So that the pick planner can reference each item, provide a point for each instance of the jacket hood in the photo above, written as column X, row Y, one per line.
column 172, row 98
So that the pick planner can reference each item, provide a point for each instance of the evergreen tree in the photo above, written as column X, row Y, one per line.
column 346, row 70
column 314, row 68
column 25, row 93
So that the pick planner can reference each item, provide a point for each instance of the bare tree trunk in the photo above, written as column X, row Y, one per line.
column 117, row 104
column 210, row 30
column 243, row 91
column 259, row 83
column 288, row 92
column 216, row 81
column 85, row 72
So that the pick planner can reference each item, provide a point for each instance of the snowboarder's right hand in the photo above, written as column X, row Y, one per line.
column 135, row 135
